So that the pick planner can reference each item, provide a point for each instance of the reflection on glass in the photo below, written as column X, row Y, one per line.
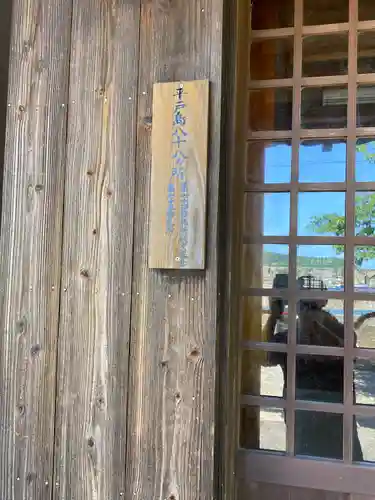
column 364, row 323
column 269, row 162
column 323, row 160
column 321, row 214
column 320, row 322
column 366, row 106
column 364, row 268
column 327, row 12
column 366, row 52
column 272, row 14
column 264, row 319
column 270, row 109
column 322, row 262
column 324, row 108
column 271, row 59
column 259, row 376
column 267, row 214
column 255, row 314
column 325, row 55
column 366, row 433
column 319, row 434
column 365, row 213
column 365, row 160
column 262, row 264
column 366, row 10
column 319, row 378
column 263, row 429
column 364, row 382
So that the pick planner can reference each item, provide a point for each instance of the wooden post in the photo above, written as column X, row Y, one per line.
column 90, row 453
column 174, row 314
column 30, row 244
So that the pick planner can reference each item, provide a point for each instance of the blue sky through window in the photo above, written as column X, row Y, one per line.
column 323, row 162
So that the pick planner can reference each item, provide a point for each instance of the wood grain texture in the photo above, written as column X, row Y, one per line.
column 179, row 175
column 235, row 85
column 30, row 244
column 174, row 314
column 97, row 258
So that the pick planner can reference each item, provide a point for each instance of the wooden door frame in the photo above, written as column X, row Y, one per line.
column 236, row 57
column 236, row 44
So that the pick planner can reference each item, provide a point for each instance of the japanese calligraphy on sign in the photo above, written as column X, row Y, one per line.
column 179, row 173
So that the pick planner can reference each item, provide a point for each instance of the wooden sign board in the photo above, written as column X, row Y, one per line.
column 177, row 235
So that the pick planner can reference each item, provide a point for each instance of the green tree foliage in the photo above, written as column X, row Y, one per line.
column 333, row 223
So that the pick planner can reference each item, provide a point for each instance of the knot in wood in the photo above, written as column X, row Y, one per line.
column 84, row 273
column 38, row 187
column 21, row 325
column 194, row 353
column 91, row 442
column 35, row 350
column 147, row 122
column 21, row 410
column 100, row 403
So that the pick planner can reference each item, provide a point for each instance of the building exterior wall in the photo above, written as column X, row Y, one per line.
column 107, row 369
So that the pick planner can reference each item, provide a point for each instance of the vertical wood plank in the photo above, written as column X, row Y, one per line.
column 237, row 31
column 30, row 244
column 174, row 314
column 97, row 258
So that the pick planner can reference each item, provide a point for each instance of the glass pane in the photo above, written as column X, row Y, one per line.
column 319, row 434
column 321, row 214
column 366, row 10
column 271, row 59
column 364, row 382
column 262, row 374
column 324, row 108
column 322, row 262
column 263, row 264
column 366, row 106
column 269, row 162
column 364, row 324
column 258, row 325
column 323, row 160
column 320, row 378
column 366, row 52
column 364, row 439
column 365, row 213
column 270, row 109
column 263, row 429
column 325, row 12
column 325, row 55
column 272, row 14
column 321, row 322
column 365, row 160
column 267, row 214
column 364, row 268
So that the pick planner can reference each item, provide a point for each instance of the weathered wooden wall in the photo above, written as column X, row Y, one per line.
column 93, row 351
column 107, row 369
column 174, row 314
column 30, row 244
